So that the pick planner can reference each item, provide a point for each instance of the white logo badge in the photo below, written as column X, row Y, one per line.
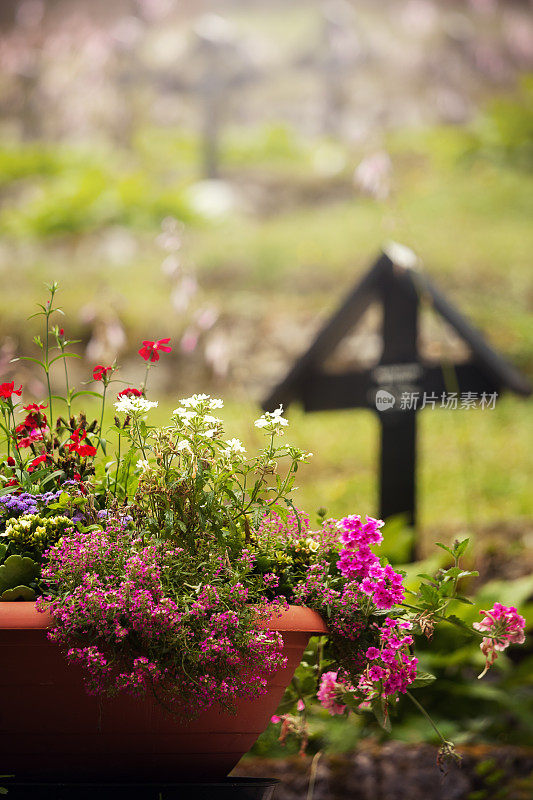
column 384, row 400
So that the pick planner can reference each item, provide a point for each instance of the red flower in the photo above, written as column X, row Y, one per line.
column 10, row 461
column 36, row 462
column 149, row 350
column 61, row 331
column 34, row 419
column 76, row 445
column 129, row 392
column 35, row 407
column 86, row 450
column 7, row 389
column 77, row 476
column 100, row 372
column 12, row 482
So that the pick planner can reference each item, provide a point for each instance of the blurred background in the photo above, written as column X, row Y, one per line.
column 223, row 173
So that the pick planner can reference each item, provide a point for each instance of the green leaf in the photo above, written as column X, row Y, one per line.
column 379, row 708
column 422, row 679
column 50, row 478
column 29, row 358
column 16, row 571
column 460, row 548
column 18, row 593
column 85, row 392
column 63, row 355
column 429, row 594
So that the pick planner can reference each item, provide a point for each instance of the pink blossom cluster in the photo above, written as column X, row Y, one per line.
column 115, row 595
column 358, row 562
column 392, row 667
column 329, row 693
column 504, row 626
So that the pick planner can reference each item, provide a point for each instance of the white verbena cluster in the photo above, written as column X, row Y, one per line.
column 234, row 446
column 134, row 405
column 202, row 401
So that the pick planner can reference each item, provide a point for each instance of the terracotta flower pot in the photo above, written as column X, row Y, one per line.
column 51, row 729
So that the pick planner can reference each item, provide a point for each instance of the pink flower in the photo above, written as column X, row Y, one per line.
column 375, row 673
column 300, row 705
column 505, row 626
column 328, row 693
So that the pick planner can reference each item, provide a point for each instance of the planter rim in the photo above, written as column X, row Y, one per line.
column 22, row 615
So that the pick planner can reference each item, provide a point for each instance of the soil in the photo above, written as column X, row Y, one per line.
column 399, row 771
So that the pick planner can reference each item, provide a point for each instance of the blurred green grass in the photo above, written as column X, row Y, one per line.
column 469, row 221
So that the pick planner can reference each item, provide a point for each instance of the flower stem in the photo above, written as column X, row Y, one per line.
column 102, row 417
column 425, row 714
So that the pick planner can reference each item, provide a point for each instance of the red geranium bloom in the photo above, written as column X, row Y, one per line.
column 100, row 372
column 86, row 450
column 34, row 419
column 12, row 482
column 129, row 392
column 36, row 462
column 10, row 461
column 36, row 407
column 149, row 350
column 7, row 389
column 76, row 445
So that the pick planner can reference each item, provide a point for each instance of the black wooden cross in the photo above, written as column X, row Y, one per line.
column 402, row 382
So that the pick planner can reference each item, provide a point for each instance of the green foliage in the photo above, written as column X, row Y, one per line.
column 504, row 134
column 65, row 191
column 18, row 571
column 18, row 593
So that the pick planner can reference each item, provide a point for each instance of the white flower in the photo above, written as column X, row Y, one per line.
column 143, row 465
column 212, row 420
column 134, row 405
column 234, row 446
column 184, row 445
column 272, row 420
column 184, row 415
column 194, row 400
column 197, row 400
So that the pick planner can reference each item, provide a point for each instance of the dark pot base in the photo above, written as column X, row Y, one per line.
column 229, row 789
